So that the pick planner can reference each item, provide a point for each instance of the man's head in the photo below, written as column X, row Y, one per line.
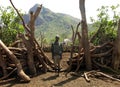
column 57, row 37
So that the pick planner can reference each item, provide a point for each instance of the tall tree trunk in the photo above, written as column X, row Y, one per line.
column 85, row 35
column 30, row 59
column 31, row 43
column 116, row 52
column 20, row 71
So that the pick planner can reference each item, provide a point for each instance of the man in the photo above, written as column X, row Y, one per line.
column 56, row 50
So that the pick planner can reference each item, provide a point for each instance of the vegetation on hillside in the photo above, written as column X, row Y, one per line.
column 51, row 23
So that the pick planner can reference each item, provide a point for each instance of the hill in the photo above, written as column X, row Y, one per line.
column 51, row 23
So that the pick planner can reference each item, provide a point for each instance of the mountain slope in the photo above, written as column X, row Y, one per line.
column 52, row 23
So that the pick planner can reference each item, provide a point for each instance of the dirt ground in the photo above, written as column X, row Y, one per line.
column 50, row 79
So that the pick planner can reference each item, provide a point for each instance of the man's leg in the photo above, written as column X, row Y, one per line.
column 55, row 63
column 58, row 64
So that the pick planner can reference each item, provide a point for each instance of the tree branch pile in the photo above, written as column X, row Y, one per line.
column 24, row 55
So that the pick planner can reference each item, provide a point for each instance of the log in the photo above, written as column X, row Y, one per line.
column 20, row 71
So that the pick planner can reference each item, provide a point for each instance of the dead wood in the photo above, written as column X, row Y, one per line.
column 25, row 25
column 73, row 33
column 85, row 42
column 79, row 61
column 108, row 76
column 15, row 44
column 98, row 73
column 71, row 53
column 30, row 61
column 102, row 54
column 33, row 17
column 43, row 54
column 17, row 49
column 20, row 71
column 3, row 64
column 116, row 52
column 6, row 76
column 30, row 35
column 7, row 80
column 104, row 66
column 86, row 77
column 95, row 35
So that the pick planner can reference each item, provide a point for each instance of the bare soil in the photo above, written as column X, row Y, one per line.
column 50, row 79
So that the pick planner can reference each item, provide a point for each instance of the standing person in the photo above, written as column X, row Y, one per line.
column 57, row 49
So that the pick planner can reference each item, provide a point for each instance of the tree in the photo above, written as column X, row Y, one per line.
column 105, row 24
column 11, row 25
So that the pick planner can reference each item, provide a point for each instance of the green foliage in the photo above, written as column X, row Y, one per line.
column 12, row 25
column 107, row 18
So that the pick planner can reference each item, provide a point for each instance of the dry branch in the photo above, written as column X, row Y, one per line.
column 108, row 76
column 86, row 77
column 6, row 76
column 102, row 54
column 104, row 66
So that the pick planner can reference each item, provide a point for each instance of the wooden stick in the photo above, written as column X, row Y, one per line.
column 86, row 77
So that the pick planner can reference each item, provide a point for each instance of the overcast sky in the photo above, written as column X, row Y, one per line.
column 70, row 7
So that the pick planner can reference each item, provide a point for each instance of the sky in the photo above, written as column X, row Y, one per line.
column 70, row 7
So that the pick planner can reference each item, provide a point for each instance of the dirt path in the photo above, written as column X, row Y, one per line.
column 50, row 79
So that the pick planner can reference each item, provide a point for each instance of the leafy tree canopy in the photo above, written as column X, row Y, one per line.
column 10, row 25
column 105, row 24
